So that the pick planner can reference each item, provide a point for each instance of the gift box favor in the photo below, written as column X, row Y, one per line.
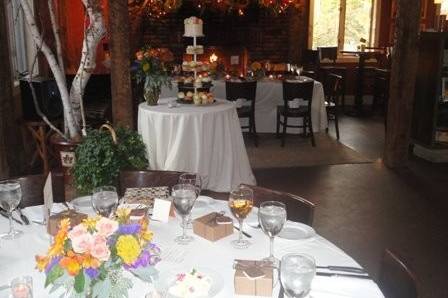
column 213, row 226
column 248, row 283
column 53, row 222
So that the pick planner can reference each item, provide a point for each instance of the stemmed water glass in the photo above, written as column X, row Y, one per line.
column 105, row 200
column 195, row 180
column 272, row 218
column 241, row 201
column 10, row 196
column 184, row 196
column 296, row 274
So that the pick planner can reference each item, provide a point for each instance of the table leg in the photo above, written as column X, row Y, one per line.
column 359, row 91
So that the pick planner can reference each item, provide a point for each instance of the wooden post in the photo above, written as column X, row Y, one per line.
column 402, row 83
column 6, row 98
column 122, row 104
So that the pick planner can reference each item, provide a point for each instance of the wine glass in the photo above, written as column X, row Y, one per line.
column 272, row 218
column 10, row 196
column 105, row 200
column 184, row 196
column 241, row 201
column 195, row 180
column 296, row 274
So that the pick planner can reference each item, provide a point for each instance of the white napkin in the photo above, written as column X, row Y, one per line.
column 34, row 213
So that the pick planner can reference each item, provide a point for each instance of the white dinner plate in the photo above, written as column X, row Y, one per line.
column 166, row 279
column 203, row 202
column 296, row 231
column 83, row 205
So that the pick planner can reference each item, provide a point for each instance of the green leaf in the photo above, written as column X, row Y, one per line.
column 79, row 282
column 54, row 274
column 147, row 274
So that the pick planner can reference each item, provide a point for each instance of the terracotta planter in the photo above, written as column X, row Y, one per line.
column 65, row 153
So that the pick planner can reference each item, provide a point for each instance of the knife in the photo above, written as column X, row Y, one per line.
column 342, row 275
column 343, row 268
column 244, row 233
column 281, row 293
column 5, row 215
column 23, row 216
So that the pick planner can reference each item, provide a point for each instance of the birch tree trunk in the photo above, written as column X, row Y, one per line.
column 92, row 36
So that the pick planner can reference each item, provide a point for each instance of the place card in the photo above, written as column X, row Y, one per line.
column 48, row 198
column 161, row 210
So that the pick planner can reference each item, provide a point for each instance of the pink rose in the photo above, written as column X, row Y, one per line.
column 106, row 227
column 77, row 231
column 83, row 243
column 100, row 250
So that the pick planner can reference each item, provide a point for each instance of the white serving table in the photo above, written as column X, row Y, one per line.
column 200, row 139
column 270, row 95
column 17, row 257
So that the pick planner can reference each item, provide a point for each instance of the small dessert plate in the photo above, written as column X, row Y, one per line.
column 296, row 231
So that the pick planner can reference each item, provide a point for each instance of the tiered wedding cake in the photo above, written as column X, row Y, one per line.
column 193, row 27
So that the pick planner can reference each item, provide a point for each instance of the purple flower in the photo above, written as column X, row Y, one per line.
column 53, row 262
column 92, row 272
column 129, row 229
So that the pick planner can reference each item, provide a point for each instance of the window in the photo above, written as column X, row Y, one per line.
column 342, row 23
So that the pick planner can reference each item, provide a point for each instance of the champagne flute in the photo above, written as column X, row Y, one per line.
column 296, row 274
column 272, row 218
column 195, row 180
column 10, row 197
column 184, row 196
column 241, row 201
column 105, row 200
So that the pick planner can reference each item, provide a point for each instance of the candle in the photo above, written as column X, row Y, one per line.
column 21, row 290
column 227, row 77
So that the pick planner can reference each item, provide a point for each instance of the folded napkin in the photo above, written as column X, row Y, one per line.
column 35, row 213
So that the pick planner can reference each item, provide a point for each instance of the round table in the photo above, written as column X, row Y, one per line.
column 17, row 256
column 200, row 139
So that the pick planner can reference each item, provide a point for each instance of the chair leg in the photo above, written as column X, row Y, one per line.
column 277, row 132
column 313, row 142
column 285, row 123
column 254, row 131
column 328, row 121
column 336, row 124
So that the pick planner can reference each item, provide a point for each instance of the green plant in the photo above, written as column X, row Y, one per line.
column 99, row 160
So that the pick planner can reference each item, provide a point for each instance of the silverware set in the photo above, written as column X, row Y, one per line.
column 342, row 271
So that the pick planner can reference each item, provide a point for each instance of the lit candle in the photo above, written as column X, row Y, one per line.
column 227, row 77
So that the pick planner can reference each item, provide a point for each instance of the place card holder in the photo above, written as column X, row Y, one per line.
column 253, row 278
column 213, row 226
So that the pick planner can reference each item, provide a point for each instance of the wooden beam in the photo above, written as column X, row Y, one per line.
column 120, row 70
column 402, row 83
column 6, row 98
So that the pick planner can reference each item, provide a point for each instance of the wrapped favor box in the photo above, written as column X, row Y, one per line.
column 208, row 227
column 53, row 222
column 244, row 285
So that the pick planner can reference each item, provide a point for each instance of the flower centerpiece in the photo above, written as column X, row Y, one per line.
column 152, row 69
column 90, row 259
column 257, row 70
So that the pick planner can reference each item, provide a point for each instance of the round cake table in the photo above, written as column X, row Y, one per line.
column 201, row 139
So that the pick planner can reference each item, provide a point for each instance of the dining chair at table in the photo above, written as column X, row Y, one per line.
column 296, row 90
column 147, row 178
column 246, row 90
column 396, row 280
column 327, row 59
column 32, row 187
column 334, row 82
column 298, row 209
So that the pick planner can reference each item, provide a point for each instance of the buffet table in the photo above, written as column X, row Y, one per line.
column 17, row 257
column 269, row 96
column 200, row 139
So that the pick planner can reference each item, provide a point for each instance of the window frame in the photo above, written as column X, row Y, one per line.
column 373, row 32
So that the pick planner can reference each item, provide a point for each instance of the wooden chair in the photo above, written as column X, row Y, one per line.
column 298, row 209
column 148, row 178
column 292, row 90
column 246, row 90
column 332, row 101
column 32, row 187
column 381, row 90
column 310, row 61
column 330, row 55
column 396, row 280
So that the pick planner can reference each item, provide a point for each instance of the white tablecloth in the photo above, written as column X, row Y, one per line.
column 205, row 140
column 270, row 95
column 17, row 258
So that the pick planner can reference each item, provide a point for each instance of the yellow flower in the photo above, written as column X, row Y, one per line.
column 123, row 214
column 89, row 261
column 145, row 67
column 42, row 262
column 90, row 222
column 128, row 248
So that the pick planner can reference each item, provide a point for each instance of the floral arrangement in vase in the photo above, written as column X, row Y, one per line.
column 152, row 69
column 89, row 259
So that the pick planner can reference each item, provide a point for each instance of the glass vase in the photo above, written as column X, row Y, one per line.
column 151, row 96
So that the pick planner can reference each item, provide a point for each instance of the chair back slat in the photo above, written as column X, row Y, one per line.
column 148, row 178
column 298, row 209
column 243, row 89
column 396, row 280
